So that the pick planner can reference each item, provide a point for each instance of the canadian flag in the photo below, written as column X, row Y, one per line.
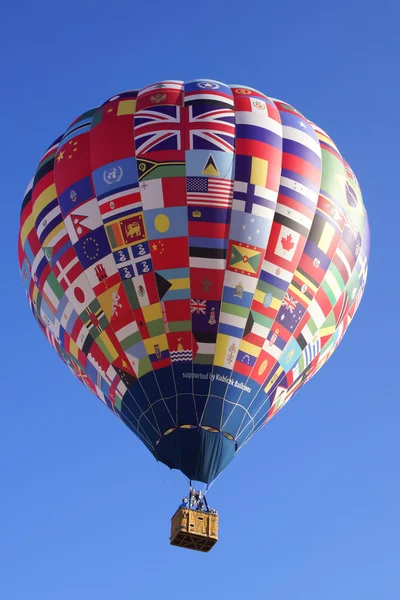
column 286, row 243
column 285, row 247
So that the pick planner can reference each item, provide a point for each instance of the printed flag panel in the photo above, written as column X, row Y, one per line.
column 194, row 252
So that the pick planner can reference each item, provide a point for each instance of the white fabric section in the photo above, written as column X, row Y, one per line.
column 81, row 283
column 82, row 336
column 134, row 362
column 295, row 371
column 233, row 320
column 260, row 330
column 50, row 294
column 316, row 314
column 231, row 353
column 287, row 233
column 66, row 314
column 47, row 219
column 210, row 97
column 294, row 215
column 241, row 186
column 299, row 188
column 64, row 271
column 232, row 279
column 142, row 296
column 46, row 319
column 270, row 268
column 50, row 336
column 100, row 394
column 107, row 263
column 263, row 211
column 121, row 388
column 311, row 351
column 115, row 196
column 36, row 261
column 344, row 261
column 207, row 263
column 280, row 396
column 291, row 133
column 126, row 331
column 92, row 219
column 273, row 350
column 258, row 116
column 56, row 329
column 333, row 284
column 174, row 84
column 307, row 334
column 117, row 211
column 54, row 241
column 110, row 374
column 206, row 348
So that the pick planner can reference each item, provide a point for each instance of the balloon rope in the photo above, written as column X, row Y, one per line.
column 208, row 486
column 163, row 480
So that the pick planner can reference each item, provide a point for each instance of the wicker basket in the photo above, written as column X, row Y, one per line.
column 194, row 529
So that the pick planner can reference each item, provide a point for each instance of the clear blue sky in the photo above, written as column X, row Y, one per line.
column 310, row 509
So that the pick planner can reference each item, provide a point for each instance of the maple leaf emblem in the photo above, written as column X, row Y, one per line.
column 287, row 242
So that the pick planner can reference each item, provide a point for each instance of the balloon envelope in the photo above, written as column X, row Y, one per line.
column 194, row 252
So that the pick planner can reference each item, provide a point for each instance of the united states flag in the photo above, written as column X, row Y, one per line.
column 209, row 191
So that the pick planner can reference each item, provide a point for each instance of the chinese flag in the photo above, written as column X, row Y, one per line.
column 170, row 253
column 72, row 162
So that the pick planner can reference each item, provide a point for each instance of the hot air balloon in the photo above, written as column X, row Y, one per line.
column 194, row 252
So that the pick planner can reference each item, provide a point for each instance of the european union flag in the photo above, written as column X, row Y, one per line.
column 92, row 247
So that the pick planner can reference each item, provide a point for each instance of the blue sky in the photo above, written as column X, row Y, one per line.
column 309, row 509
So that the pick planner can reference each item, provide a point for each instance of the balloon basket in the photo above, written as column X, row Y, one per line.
column 194, row 529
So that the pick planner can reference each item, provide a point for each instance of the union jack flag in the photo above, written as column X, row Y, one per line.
column 289, row 303
column 198, row 306
column 158, row 128
column 211, row 128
